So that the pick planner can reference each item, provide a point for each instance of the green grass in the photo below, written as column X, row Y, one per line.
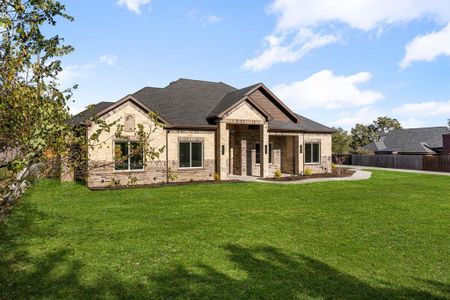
column 387, row 237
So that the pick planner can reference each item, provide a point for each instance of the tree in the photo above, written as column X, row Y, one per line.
column 383, row 125
column 362, row 135
column 341, row 141
column 33, row 110
column 34, row 132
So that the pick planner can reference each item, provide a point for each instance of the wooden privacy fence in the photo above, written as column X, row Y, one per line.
column 411, row 162
column 436, row 163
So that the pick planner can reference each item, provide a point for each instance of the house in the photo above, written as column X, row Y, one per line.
column 209, row 128
column 411, row 141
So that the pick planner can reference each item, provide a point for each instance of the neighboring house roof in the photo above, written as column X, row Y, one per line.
column 411, row 140
column 196, row 103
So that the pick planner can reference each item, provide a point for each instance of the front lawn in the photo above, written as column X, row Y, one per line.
column 387, row 237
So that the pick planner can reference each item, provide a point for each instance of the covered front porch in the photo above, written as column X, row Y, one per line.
column 251, row 150
column 245, row 147
column 248, row 149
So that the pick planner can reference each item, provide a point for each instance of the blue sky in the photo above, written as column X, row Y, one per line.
column 337, row 63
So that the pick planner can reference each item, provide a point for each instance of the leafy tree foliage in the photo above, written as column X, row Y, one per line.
column 341, row 141
column 383, row 125
column 34, row 129
column 362, row 135
column 32, row 108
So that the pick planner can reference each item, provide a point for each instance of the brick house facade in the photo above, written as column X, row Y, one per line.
column 208, row 128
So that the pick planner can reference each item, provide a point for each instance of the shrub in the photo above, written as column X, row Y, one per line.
column 171, row 175
column 277, row 174
column 308, row 172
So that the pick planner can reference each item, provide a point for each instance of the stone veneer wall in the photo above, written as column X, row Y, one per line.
column 242, row 147
column 186, row 174
column 101, row 158
column 325, row 151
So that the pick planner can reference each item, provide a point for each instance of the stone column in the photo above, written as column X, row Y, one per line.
column 296, row 154
column 243, row 154
column 300, row 153
column 223, row 151
column 264, row 142
column 231, row 150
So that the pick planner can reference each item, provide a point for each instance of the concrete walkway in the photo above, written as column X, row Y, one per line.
column 396, row 170
column 358, row 175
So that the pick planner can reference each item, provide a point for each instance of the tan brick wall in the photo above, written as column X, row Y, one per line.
column 207, row 138
column 325, row 151
column 102, row 173
column 101, row 158
column 244, row 112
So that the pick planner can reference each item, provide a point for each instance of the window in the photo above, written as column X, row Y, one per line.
column 312, row 153
column 270, row 152
column 191, row 155
column 258, row 153
column 128, row 156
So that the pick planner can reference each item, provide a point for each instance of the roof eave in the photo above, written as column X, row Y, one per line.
column 136, row 101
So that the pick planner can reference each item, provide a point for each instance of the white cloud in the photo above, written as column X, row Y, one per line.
column 427, row 47
column 312, row 15
column 134, row 5
column 278, row 51
column 71, row 73
column 424, row 109
column 108, row 59
column 203, row 19
column 364, row 115
column 360, row 14
column 213, row 19
column 412, row 123
column 328, row 91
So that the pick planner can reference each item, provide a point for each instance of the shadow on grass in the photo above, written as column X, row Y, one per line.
column 266, row 272
column 273, row 274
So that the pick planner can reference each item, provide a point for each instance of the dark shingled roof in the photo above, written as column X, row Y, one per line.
column 185, row 102
column 304, row 125
column 230, row 99
column 188, row 102
column 88, row 113
column 410, row 140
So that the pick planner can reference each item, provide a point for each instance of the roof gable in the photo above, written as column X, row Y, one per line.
column 246, row 111
column 261, row 96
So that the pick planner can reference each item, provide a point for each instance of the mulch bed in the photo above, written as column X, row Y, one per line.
column 334, row 174
column 162, row 184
